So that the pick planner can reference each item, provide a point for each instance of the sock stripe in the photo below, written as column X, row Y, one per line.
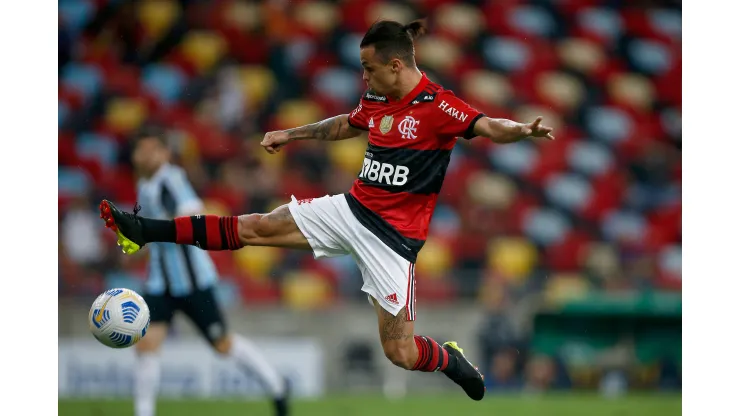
column 222, row 221
column 183, row 230
column 200, row 238
column 234, row 232
column 432, row 357
column 212, row 233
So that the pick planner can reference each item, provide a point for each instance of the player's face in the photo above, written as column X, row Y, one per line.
column 380, row 76
column 149, row 155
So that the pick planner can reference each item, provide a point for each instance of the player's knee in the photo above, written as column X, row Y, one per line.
column 222, row 346
column 400, row 354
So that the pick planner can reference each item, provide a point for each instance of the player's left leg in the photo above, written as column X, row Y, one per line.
column 422, row 353
column 203, row 310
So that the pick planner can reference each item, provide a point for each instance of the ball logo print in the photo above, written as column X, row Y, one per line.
column 407, row 127
column 119, row 318
column 130, row 311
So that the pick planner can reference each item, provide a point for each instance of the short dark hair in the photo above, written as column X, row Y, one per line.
column 394, row 40
column 150, row 132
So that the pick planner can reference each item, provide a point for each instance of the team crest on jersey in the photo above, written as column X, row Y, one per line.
column 386, row 124
column 407, row 127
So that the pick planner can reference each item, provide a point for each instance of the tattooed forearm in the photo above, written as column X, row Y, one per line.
column 394, row 327
column 331, row 129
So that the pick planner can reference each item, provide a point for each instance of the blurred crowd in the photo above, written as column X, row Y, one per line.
column 598, row 209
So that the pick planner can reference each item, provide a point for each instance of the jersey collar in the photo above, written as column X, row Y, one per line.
column 423, row 82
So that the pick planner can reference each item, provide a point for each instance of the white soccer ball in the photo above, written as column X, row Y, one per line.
column 119, row 318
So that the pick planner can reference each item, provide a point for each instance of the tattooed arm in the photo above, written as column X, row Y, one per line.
column 331, row 129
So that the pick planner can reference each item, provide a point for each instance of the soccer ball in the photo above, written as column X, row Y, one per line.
column 119, row 318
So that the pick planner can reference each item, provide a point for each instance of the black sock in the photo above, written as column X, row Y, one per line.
column 158, row 230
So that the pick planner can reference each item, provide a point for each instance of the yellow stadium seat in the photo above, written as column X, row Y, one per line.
column 297, row 113
column 125, row 114
column 203, row 49
column 348, row 155
column 270, row 161
column 306, row 291
column 565, row 287
column 257, row 83
column 243, row 15
column 581, row 54
column 512, row 258
column 632, row 89
column 157, row 16
column 257, row 262
column 319, row 16
column 601, row 258
column 389, row 11
column 434, row 260
column 491, row 190
column 437, row 53
column 561, row 88
column 487, row 87
column 463, row 20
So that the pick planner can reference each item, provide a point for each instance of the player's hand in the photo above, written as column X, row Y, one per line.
column 274, row 141
column 535, row 129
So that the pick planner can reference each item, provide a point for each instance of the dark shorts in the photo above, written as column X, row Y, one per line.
column 200, row 307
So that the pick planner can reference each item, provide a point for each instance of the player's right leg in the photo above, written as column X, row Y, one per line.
column 148, row 367
column 209, row 232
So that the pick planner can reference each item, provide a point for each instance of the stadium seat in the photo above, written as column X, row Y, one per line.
column 76, row 14
column 564, row 287
column 316, row 18
column 491, row 190
column 85, row 79
column 632, row 90
column 459, row 21
column 165, row 82
column 258, row 262
column 531, row 20
column 297, row 113
column 348, row 155
column 157, row 16
column 606, row 24
column 568, row 191
column 514, row 159
column 486, row 87
column 437, row 53
column 388, row 10
column 590, row 158
column 609, row 124
column 545, row 226
column 434, row 260
column 98, row 147
column 258, row 83
column 202, row 49
column 650, row 57
column 125, row 114
column 563, row 91
column 305, row 291
column 620, row 226
column 338, row 84
column 73, row 181
column 507, row 54
column 241, row 14
column 512, row 258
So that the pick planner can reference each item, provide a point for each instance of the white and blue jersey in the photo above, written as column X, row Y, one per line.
column 175, row 270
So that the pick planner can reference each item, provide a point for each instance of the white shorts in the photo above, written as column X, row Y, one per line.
column 332, row 230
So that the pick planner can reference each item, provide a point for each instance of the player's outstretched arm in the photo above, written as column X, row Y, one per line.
column 503, row 131
column 331, row 129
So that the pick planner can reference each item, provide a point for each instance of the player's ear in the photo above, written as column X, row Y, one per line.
column 396, row 65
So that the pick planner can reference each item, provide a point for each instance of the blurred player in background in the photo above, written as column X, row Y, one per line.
column 182, row 278
column 384, row 219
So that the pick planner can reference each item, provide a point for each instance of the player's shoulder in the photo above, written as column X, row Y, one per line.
column 370, row 96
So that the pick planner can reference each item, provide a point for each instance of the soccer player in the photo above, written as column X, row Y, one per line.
column 182, row 278
column 383, row 220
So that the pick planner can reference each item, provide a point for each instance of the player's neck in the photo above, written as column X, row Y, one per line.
column 408, row 80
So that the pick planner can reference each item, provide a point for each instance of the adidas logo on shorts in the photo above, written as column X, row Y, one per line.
column 392, row 298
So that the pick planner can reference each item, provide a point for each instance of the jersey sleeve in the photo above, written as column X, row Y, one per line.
column 359, row 117
column 457, row 117
column 178, row 196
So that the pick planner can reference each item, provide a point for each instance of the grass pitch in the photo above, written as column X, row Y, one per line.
column 453, row 405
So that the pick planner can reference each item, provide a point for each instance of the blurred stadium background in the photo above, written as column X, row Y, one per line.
column 557, row 265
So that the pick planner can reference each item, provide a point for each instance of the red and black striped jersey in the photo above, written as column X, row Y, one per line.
column 409, row 148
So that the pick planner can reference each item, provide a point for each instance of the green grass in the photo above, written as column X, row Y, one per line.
column 551, row 405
